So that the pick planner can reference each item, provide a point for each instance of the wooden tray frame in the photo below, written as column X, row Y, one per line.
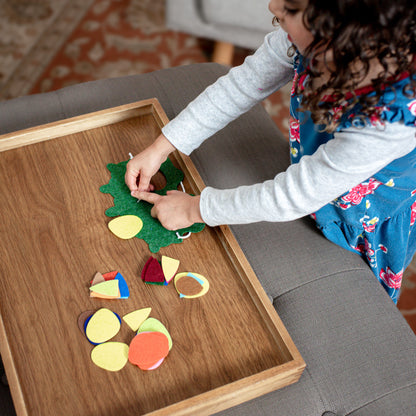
column 217, row 399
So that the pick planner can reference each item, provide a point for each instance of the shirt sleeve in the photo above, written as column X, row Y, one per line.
column 261, row 74
column 338, row 165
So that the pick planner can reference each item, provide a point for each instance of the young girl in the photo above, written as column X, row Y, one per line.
column 352, row 131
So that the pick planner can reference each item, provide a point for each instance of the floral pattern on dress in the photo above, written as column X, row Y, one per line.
column 413, row 214
column 369, row 225
column 365, row 248
column 294, row 130
column 391, row 279
column 357, row 194
column 412, row 107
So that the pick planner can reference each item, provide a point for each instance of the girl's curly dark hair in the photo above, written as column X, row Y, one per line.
column 357, row 32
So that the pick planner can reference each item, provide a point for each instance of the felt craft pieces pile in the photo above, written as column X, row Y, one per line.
column 188, row 285
column 111, row 285
column 148, row 349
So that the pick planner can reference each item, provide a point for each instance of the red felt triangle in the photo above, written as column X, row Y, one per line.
column 153, row 272
column 110, row 275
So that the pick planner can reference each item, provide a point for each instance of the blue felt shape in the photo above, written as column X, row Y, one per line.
column 122, row 285
column 201, row 282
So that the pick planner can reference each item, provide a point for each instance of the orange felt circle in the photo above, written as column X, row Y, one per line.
column 147, row 348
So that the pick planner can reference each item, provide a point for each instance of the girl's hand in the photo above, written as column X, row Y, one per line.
column 143, row 166
column 175, row 210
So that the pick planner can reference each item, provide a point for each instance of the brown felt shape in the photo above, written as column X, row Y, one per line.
column 188, row 286
column 81, row 320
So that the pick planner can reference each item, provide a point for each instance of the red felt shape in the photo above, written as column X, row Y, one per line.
column 110, row 275
column 152, row 271
column 147, row 348
column 145, row 267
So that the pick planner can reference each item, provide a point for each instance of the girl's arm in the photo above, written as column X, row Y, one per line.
column 230, row 96
column 261, row 74
column 351, row 157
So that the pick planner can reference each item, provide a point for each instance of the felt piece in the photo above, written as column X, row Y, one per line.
column 109, row 289
column 155, row 235
column 110, row 275
column 169, row 266
column 154, row 366
column 111, row 356
column 152, row 272
column 122, row 285
column 191, row 285
column 82, row 318
column 188, row 286
column 154, row 325
column 147, row 348
column 101, row 296
column 136, row 318
column 98, row 278
column 103, row 289
column 102, row 326
column 146, row 265
column 126, row 226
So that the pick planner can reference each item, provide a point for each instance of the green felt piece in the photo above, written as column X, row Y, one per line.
column 155, row 235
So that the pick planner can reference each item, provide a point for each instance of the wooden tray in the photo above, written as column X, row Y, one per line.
column 229, row 346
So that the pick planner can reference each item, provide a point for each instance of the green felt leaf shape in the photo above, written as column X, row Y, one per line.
column 155, row 235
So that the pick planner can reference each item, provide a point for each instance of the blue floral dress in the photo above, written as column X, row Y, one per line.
column 377, row 217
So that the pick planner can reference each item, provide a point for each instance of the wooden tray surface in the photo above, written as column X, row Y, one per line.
column 229, row 346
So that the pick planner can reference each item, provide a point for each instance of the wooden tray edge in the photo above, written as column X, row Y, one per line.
column 83, row 122
column 10, row 369
column 233, row 394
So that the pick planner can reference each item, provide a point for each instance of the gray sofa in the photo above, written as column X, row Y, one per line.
column 360, row 352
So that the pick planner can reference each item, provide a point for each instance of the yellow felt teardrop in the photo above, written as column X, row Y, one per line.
column 170, row 267
column 126, row 226
column 107, row 288
column 136, row 318
column 111, row 356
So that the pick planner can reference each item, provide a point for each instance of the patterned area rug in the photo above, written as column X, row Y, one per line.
column 50, row 44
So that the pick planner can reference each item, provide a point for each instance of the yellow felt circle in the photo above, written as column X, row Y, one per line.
column 102, row 326
column 126, row 226
column 111, row 356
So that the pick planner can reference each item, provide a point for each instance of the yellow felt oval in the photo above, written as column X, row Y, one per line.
column 111, row 356
column 126, row 226
column 102, row 326
column 136, row 318
column 197, row 279
column 154, row 325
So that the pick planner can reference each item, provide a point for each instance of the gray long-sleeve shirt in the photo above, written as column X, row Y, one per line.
column 337, row 166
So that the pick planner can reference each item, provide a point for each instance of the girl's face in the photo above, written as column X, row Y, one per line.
column 290, row 15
